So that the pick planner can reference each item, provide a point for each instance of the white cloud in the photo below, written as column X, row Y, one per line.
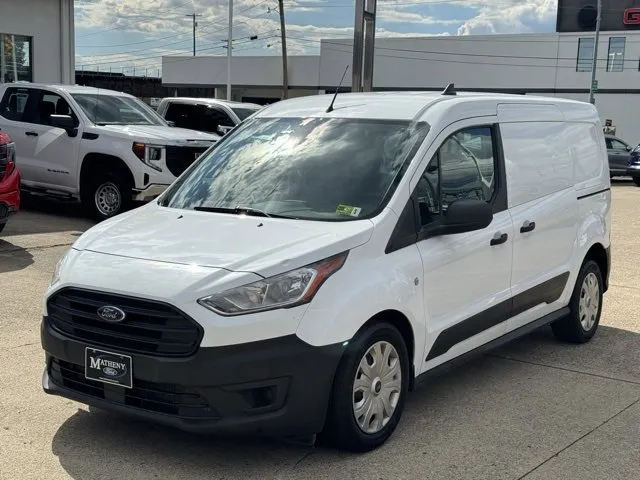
column 519, row 17
column 393, row 15
column 167, row 29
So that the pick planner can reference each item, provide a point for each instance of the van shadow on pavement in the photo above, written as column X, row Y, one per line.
column 13, row 258
column 497, row 416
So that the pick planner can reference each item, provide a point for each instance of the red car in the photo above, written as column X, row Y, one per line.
column 9, row 180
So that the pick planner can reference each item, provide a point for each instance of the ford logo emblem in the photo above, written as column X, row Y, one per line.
column 111, row 314
column 112, row 372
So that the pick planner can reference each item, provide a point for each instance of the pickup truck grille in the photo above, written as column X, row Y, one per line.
column 180, row 158
column 149, row 327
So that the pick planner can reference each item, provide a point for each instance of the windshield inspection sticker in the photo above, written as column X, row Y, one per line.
column 348, row 210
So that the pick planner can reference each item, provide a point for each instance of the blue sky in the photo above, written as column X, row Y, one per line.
column 123, row 35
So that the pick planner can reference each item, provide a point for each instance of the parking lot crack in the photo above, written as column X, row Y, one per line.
column 579, row 438
column 29, row 249
column 565, row 369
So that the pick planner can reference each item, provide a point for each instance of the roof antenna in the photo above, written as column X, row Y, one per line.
column 330, row 109
column 450, row 90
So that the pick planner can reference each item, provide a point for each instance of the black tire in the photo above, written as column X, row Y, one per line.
column 341, row 428
column 636, row 180
column 2, row 225
column 570, row 328
column 106, row 195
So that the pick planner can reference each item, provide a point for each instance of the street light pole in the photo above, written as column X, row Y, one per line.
column 595, row 55
column 283, row 37
column 229, row 47
column 195, row 24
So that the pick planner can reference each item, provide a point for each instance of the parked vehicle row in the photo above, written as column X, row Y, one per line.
column 9, row 180
column 301, row 277
column 102, row 147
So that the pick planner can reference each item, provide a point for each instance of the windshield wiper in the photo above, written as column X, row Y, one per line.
column 237, row 210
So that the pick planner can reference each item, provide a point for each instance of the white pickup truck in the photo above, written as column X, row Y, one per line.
column 99, row 146
column 205, row 114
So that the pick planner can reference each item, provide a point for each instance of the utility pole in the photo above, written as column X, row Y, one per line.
column 195, row 24
column 592, row 89
column 283, row 36
column 229, row 47
column 363, row 46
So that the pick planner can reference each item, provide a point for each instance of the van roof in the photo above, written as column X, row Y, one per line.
column 400, row 105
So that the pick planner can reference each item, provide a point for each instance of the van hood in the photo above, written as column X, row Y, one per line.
column 161, row 134
column 239, row 243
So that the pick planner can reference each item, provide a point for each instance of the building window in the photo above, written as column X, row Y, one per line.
column 615, row 59
column 585, row 54
column 15, row 58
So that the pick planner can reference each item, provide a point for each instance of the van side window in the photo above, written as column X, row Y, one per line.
column 463, row 168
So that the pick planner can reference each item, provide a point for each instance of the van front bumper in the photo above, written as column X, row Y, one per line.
column 276, row 387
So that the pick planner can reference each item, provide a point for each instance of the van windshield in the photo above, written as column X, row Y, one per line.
column 305, row 168
column 117, row 110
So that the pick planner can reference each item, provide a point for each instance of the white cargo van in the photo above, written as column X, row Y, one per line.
column 309, row 268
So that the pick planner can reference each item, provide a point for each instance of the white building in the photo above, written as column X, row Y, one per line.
column 37, row 41
column 553, row 64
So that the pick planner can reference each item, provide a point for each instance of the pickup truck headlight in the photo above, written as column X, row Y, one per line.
column 286, row 290
column 150, row 155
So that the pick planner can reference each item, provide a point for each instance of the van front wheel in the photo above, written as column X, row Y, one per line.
column 369, row 390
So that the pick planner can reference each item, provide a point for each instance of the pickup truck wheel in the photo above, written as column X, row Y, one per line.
column 107, row 196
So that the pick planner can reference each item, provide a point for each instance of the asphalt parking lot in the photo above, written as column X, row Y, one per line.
column 534, row 409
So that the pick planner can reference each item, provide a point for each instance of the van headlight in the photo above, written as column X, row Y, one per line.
column 289, row 289
column 55, row 278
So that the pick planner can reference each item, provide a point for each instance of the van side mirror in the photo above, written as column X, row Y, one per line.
column 629, row 148
column 171, row 123
column 466, row 215
column 65, row 122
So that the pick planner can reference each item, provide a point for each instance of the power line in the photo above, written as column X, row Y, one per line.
column 443, row 60
column 127, row 54
column 179, row 59
column 247, row 39
column 116, row 25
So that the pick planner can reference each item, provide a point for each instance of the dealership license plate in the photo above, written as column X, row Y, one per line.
column 108, row 367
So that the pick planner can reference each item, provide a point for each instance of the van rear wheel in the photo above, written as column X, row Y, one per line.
column 585, row 306
column 369, row 390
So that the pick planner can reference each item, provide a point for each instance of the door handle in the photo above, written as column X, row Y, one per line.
column 31, row 134
column 527, row 226
column 499, row 238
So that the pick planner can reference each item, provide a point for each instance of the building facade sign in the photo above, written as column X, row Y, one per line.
column 580, row 15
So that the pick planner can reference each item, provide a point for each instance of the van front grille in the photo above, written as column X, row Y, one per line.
column 149, row 327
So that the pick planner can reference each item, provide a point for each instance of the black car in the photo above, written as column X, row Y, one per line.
column 619, row 154
column 633, row 167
